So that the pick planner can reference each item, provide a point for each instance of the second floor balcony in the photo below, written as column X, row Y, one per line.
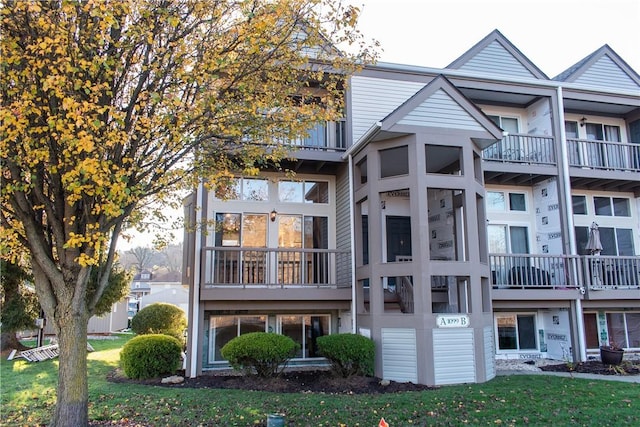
column 522, row 148
column 604, row 155
column 235, row 267
column 562, row 272
column 324, row 136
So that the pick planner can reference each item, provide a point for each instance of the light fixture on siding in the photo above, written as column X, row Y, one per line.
column 583, row 120
column 273, row 215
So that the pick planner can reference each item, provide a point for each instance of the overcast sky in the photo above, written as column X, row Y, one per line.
column 553, row 34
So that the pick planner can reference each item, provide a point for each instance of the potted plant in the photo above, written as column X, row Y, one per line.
column 611, row 354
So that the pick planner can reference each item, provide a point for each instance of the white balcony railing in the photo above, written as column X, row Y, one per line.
column 324, row 136
column 604, row 155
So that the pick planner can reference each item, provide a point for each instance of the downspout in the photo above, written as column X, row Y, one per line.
column 353, row 247
column 582, row 352
column 195, row 302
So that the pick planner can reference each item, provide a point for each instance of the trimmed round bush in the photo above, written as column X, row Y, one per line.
column 160, row 318
column 349, row 354
column 150, row 356
column 260, row 352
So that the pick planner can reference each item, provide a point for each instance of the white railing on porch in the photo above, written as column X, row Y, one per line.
column 256, row 267
column 603, row 154
column 328, row 135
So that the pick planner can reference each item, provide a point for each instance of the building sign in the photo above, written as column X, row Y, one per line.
column 452, row 321
column 398, row 193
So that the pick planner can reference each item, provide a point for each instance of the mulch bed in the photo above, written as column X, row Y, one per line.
column 306, row 381
column 596, row 367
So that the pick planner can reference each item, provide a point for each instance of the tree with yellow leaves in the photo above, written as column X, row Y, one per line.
column 109, row 105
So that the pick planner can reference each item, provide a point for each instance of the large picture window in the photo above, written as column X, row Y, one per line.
column 225, row 328
column 516, row 331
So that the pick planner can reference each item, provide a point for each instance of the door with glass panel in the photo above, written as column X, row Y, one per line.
column 241, row 241
column 510, row 148
column 302, row 257
column 604, row 154
column 510, row 241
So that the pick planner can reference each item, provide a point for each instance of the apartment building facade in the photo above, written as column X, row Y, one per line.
column 447, row 217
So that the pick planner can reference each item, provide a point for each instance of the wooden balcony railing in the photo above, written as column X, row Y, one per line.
column 522, row 148
column 262, row 267
column 526, row 271
column 622, row 156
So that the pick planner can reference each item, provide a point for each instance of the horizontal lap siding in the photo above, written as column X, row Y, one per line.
column 495, row 59
column 343, row 227
column 440, row 110
column 373, row 99
column 399, row 355
column 606, row 73
column 453, row 356
column 489, row 354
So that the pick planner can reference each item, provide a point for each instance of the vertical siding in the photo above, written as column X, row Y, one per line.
column 606, row 73
column 454, row 356
column 440, row 110
column 373, row 99
column 489, row 353
column 343, row 226
column 495, row 59
column 399, row 355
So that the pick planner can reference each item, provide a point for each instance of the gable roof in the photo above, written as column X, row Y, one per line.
column 439, row 104
column 603, row 68
column 497, row 56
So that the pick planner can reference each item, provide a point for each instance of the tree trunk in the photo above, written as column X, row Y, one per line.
column 9, row 341
column 72, row 405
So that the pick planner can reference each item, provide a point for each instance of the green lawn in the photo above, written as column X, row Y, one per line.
column 28, row 396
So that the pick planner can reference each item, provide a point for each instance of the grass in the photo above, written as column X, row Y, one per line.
column 28, row 395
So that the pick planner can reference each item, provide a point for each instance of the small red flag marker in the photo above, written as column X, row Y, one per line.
column 383, row 423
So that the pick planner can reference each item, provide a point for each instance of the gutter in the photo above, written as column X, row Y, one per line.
column 373, row 131
column 388, row 66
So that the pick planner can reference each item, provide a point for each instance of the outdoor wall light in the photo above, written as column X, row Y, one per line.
column 583, row 120
column 272, row 216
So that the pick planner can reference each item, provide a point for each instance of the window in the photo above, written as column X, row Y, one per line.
column 303, row 191
column 579, row 205
column 571, row 129
column 497, row 201
column 622, row 329
column 600, row 132
column 394, row 161
column 516, row 332
column 304, row 330
column 224, row 328
column 612, row 206
column 517, row 202
column 615, row 241
column 515, row 241
column 255, row 189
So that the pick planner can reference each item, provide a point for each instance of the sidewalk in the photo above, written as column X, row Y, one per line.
column 620, row 378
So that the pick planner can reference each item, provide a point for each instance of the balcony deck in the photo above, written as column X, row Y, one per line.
column 598, row 277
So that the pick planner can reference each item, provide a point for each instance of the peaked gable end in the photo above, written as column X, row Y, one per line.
column 604, row 69
column 439, row 104
column 441, row 110
column 496, row 55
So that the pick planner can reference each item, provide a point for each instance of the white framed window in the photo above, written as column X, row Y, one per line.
column 502, row 201
column 516, row 332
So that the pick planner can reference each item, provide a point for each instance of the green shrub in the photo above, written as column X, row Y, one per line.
column 160, row 318
column 150, row 356
column 260, row 352
column 349, row 354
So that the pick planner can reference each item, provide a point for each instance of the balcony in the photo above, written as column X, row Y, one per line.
column 238, row 268
column 522, row 148
column 324, row 136
column 604, row 155
column 589, row 273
